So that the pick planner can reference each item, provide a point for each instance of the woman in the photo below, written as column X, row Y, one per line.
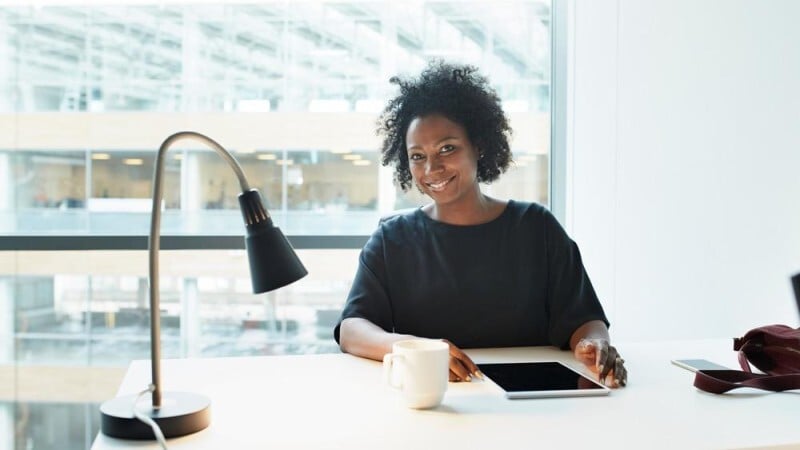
column 470, row 269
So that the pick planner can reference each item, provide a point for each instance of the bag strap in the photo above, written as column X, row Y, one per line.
column 721, row 381
column 744, row 362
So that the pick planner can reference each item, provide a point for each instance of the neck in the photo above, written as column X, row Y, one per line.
column 472, row 210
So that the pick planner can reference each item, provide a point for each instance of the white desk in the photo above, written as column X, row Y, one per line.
column 339, row 402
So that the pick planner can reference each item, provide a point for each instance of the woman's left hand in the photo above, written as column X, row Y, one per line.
column 603, row 359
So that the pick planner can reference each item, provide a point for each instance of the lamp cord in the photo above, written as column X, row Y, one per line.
column 148, row 420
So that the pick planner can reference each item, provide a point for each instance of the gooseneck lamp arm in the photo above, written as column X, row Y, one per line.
column 273, row 264
column 155, row 242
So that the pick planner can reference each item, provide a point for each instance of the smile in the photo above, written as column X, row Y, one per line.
column 439, row 185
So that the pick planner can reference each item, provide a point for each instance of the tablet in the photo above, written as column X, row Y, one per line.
column 541, row 380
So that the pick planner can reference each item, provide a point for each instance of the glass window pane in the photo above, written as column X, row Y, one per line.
column 88, row 92
column 297, row 82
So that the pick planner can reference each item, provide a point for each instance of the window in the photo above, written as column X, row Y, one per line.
column 293, row 89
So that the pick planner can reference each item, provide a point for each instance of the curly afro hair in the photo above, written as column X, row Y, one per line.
column 463, row 96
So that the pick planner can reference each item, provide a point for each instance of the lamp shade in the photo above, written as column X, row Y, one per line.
column 273, row 262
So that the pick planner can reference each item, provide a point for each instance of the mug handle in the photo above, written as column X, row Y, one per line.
column 388, row 365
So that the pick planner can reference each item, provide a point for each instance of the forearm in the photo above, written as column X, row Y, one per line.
column 363, row 338
column 594, row 329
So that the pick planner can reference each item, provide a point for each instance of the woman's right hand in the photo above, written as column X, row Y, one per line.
column 461, row 366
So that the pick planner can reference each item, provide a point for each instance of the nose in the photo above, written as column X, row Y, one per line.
column 433, row 165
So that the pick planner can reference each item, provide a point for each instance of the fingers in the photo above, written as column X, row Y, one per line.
column 458, row 371
column 459, row 374
column 602, row 358
column 606, row 359
column 594, row 354
column 585, row 354
column 461, row 366
column 620, row 372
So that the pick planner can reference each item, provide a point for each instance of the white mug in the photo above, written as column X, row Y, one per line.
column 419, row 368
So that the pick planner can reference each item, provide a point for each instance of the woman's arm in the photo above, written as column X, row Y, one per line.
column 591, row 345
column 363, row 338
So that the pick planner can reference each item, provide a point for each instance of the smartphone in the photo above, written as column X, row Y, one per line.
column 698, row 364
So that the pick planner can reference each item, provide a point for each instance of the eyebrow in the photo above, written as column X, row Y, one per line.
column 437, row 143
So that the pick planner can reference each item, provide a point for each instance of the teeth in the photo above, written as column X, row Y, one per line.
column 439, row 185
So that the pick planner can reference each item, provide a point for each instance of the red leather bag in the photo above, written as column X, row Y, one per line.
column 773, row 349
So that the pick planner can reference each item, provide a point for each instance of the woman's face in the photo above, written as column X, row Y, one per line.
column 441, row 158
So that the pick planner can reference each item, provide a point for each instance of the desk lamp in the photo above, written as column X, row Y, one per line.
column 273, row 264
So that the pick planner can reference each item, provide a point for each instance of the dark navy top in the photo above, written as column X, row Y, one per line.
column 515, row 281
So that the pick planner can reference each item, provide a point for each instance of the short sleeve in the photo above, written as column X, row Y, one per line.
column 571, row 298
column 368, row 298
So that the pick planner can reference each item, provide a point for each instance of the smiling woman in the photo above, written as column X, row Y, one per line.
column 459, row 94
column 444, row 165
column 448, row 132
column 468, row 268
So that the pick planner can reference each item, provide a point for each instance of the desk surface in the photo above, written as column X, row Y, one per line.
column 339, row 401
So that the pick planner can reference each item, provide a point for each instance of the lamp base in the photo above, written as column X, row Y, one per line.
column 181, row 413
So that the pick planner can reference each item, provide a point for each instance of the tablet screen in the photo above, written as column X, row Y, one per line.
column 541, row 379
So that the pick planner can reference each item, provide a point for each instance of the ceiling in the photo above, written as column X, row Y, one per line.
column 176, row 56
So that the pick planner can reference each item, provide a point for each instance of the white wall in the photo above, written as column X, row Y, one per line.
column 684, row 156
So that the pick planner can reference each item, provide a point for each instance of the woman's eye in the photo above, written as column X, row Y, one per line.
column 447, row 148
column 415, row 157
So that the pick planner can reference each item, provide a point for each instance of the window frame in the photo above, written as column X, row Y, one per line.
column 557, row 180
